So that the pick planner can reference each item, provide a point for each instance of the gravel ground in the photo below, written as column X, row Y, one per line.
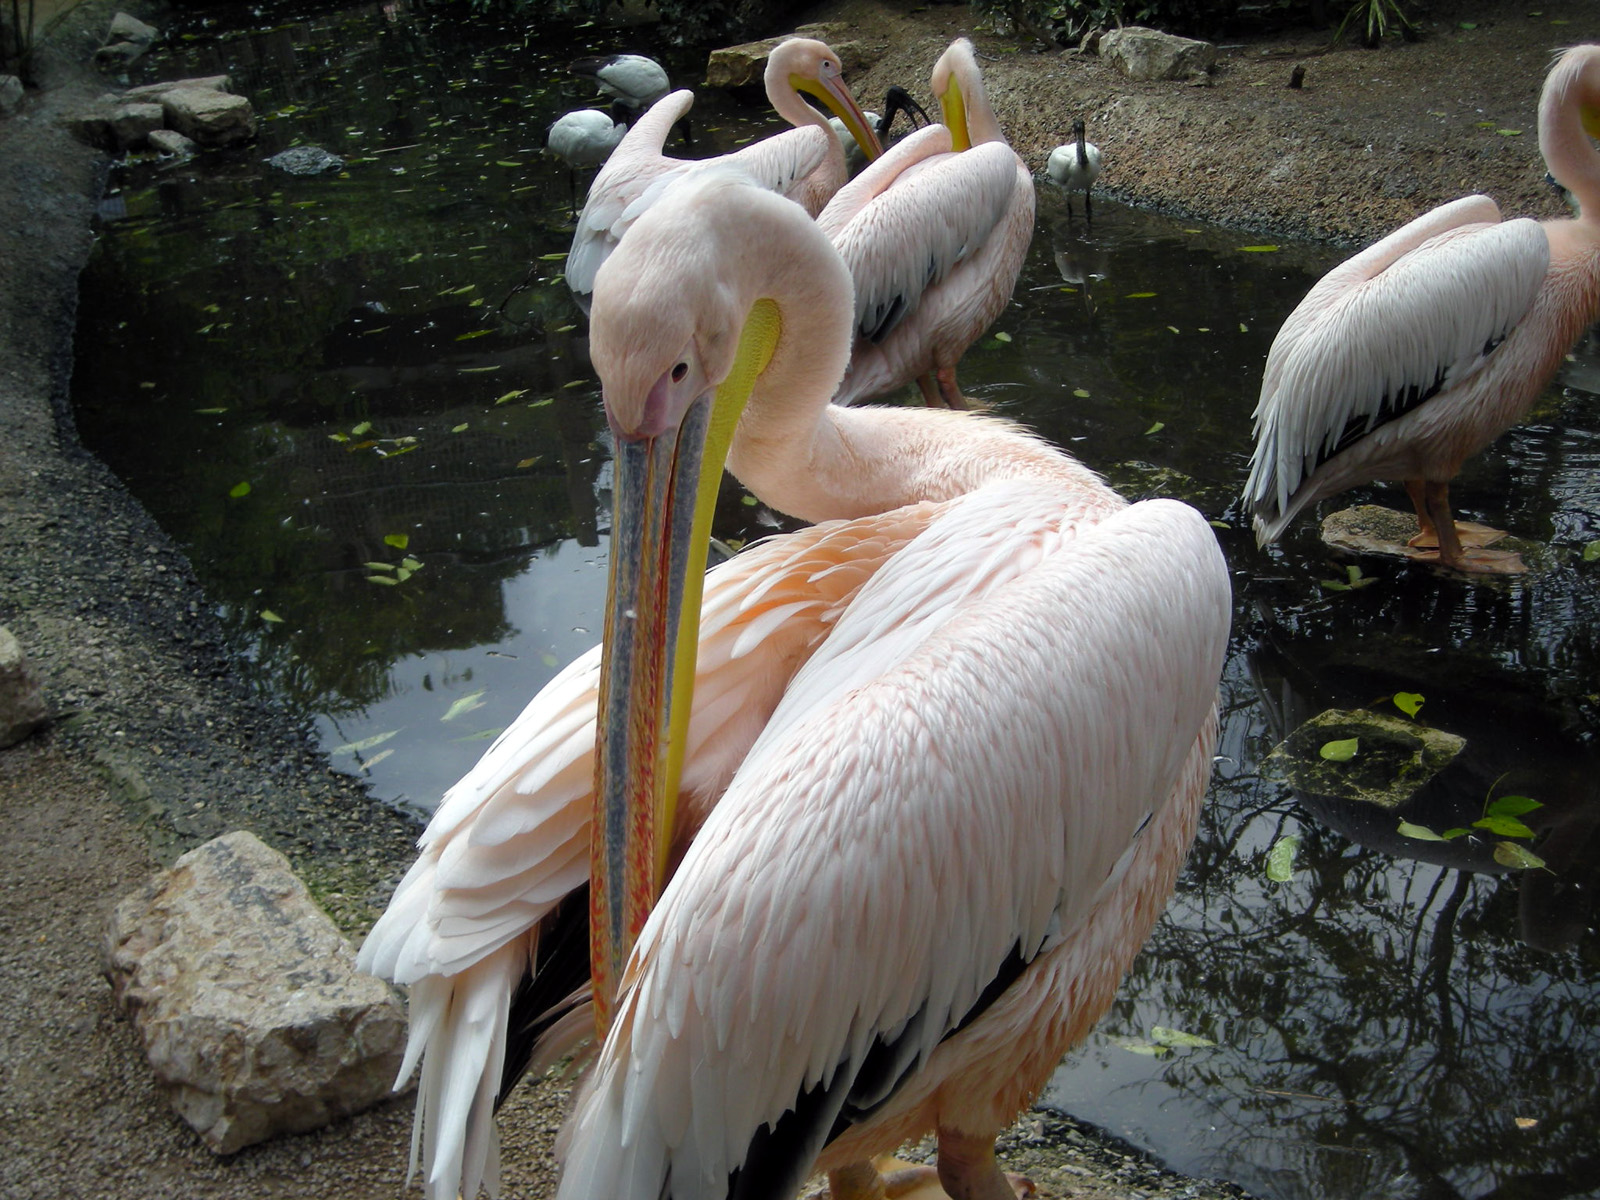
column 160, row 745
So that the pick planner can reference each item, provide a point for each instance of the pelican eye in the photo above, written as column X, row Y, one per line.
column 679, row 371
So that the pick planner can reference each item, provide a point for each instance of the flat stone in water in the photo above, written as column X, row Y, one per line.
column 305, row 160
column 1373, row 529
column 1394, row 758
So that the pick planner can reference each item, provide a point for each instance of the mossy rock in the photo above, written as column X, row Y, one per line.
column 1394, row 758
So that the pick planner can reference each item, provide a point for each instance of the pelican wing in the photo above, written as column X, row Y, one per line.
column 903, row 837
column 907, row 221
column 510, row 840
column 637, row 172
column 1416, row 313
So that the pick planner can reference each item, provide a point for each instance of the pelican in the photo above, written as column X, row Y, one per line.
column 1412, row 356
column 945, row 756
column 630, row 79
column 806, row 163
column 945, row 843
column 923, row 296
column 1075, row 167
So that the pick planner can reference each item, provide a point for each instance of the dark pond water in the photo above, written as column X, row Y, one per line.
column 303, row 378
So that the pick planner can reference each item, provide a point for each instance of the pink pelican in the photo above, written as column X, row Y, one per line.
column 920, row 304
column 945, row 756
column 806, row 163
column 1415, row 354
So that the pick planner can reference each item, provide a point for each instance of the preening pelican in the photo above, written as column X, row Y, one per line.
column 629, row 79
column 927, row 874
column 945, row 756
column 806, row 163
column 1075, row 167
column 922, row 303
column 1412, row 356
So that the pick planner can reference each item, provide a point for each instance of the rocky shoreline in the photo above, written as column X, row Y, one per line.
column 159, row 744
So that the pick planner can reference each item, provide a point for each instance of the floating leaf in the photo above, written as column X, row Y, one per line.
column 242, row 488
column 1155, row 427
column 749, row 501
column 1591, row 552
column 1421, row 832
column 1140, row 1046
column 1408, row 702
column 271, row 617
column 1259, row 249
column 383, row 579
column 411, row 564
column 1342, row 750
column 464, row 704
column 527, row 462
column 482, row 735
column 1509, row 854
column 461, row 428
column 479, row 370
column 512, row 395
column 1280, row 859
column 376, row 739
column 1472, row 24
column 378, row 758
column 1002, row 337
column 1140, row 295
column 473, row 333
column 1503, row 826
column 1243, row 328
column 553, row 257
column 358, row 430
column 378, row 566
column 1173, row 328
column 209, row 412
column 1081, row 393
column 1161, row 1035
column 338, row 437
column 1509, row 132
column 398, row 540
column 1513, row 806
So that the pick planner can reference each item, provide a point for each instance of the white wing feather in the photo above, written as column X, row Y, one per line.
column 890, row 841
column 906, row 238
column 1383, row 324
column 511, row 838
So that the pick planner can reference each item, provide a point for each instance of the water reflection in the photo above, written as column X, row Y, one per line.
column 389, row 359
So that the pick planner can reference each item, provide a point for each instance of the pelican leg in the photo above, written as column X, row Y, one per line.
column 950, row 390
column 1459, row 547
column 968, row 1170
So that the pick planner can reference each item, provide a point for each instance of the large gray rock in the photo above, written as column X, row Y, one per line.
column 132, row 124
column 154, row 91
column 169, row 141
column 745, row 64
column 247, row 998
column 10, row 94
column 209, row 117
column 22, row 706
column 1146, row 54
column 128, row 38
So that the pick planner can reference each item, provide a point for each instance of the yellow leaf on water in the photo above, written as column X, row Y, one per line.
column 1259, row 249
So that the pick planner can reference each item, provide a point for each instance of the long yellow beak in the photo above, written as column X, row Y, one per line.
column 954, row 107
column 664, row 492
column 842, row 104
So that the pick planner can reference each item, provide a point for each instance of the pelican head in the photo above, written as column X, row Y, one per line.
column 683, row 325
column 809, row 67
column 955, row 79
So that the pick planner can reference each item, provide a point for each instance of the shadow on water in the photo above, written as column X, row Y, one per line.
column 362, row 401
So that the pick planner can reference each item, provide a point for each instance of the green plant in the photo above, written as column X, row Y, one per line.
column 1377, row 16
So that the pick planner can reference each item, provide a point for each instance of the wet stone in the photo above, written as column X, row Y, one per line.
column 306, row 160
column 1393, row 759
